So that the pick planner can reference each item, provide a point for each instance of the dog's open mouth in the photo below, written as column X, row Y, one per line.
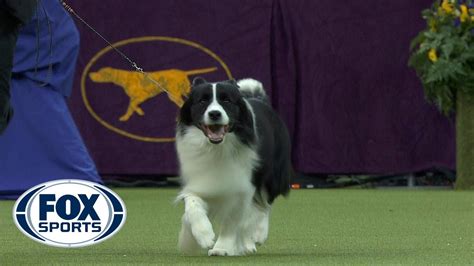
column 215, row 133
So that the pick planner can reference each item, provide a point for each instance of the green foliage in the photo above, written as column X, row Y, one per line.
column 443, row 53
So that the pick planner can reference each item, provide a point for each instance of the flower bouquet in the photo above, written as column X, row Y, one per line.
column 443, row 57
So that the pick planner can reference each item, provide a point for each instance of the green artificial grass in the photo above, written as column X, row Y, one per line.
column 310, row 227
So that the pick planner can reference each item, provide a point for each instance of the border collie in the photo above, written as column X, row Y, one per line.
column 234, row 154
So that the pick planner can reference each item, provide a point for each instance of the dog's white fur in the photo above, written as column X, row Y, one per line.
column 215, row 106
column 251, row 85
column 218, row 191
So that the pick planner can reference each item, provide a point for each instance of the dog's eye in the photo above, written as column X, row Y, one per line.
column 204, row 99
column 225, row 99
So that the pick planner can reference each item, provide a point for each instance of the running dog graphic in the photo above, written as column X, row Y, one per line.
column 140, row 89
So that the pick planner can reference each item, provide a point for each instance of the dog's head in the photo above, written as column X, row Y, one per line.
column 104, row 74
column 216, row 109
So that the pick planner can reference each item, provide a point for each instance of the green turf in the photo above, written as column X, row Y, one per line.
column 311, row 227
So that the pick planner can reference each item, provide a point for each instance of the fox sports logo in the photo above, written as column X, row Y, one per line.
column 69, row 213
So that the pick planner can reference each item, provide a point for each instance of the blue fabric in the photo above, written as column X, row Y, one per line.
column 65, row 45
column 42, row 142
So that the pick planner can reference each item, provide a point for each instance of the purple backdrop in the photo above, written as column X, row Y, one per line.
column 337, row 73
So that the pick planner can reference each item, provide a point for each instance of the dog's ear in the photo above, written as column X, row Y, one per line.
column 185, row 111
column 198, row 81
column 232, row 82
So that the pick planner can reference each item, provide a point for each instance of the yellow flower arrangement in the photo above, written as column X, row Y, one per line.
column 447, row 7
column 464, row 13
column 443, row 53
column 432, row 55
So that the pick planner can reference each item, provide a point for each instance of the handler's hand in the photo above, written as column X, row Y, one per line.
column 6, row 112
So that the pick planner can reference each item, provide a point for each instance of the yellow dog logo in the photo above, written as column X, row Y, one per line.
column 140, row 89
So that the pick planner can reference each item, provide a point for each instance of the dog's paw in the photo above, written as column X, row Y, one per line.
column 206, row 242
column 204, row 234
column 250, row 248
column 140, row 111
column 261, row 234
column 218, row 252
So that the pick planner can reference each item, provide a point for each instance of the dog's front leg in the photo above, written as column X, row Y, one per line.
column 128, row 113
column 227, row 243
column 195, row 225
column 230, row 240
column 261, row 230
column 186, row 241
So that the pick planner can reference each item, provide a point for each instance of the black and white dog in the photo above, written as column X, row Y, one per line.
column 234, row 154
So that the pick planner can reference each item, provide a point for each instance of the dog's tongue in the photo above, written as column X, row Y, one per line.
column 215, row 132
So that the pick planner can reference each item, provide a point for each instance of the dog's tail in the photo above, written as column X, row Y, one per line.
column 200, row 71
column 251, row 88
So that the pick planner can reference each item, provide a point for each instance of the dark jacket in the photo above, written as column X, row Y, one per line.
column 22, row 10
column 13, row 14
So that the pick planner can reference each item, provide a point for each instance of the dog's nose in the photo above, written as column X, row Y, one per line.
column 215, row 115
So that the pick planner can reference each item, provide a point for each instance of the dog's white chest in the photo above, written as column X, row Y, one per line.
column 214, row 170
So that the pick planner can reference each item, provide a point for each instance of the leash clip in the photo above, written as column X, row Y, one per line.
column 137, row 68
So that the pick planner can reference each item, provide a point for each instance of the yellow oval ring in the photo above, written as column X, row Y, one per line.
column 135, row 40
